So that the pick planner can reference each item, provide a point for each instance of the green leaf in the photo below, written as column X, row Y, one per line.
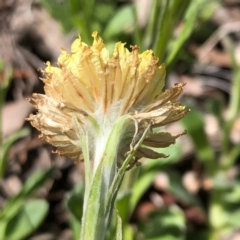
column 233, row 196
column 233, row 155
column 93, row 221
column 7, row 145
column 233, row 219
column 74, row 201
column 116, row 26
column 218, row 216
column 58, row 10
column 189, row 22
column 33, row 183
column 122, row 205
column 221, row 182
column 149, row 171
column 75, row 225
column 140, row 187
column 164, row 224
column 128, row 232
column 234, row 105
column 74, row 204
column 171, row 12
column 26, row 220
column 151, row 25
column 194, row 124
column 215, row 106
column 104, row 11
column 178, row 190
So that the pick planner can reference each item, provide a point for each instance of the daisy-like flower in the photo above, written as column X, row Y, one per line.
column 98, row 89
column 106, row 111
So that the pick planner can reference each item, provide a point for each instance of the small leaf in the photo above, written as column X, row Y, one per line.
column 27, row 219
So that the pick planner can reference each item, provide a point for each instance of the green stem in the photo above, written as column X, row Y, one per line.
column 2, row 99
column 96, row 214
column 233, row 109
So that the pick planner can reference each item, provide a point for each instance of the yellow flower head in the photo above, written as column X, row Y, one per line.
column 90, row 86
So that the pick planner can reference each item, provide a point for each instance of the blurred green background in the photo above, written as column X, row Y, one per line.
column 192, row 194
